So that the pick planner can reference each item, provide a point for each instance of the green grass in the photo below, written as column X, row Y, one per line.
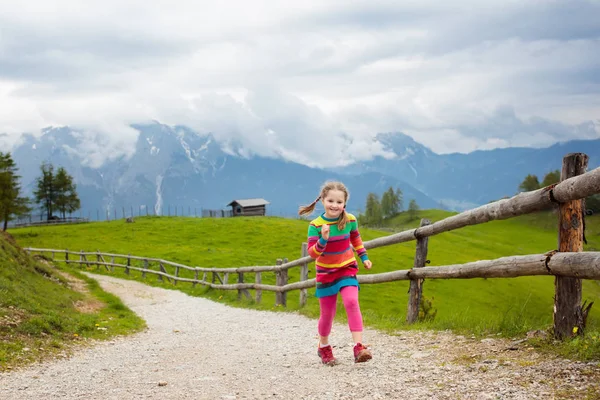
column 38, row 317
column 510, row 307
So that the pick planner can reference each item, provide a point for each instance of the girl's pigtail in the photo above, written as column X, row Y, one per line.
column 304, row 210
column 343, row 220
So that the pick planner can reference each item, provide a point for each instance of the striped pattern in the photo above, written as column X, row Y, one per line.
column 335, row 263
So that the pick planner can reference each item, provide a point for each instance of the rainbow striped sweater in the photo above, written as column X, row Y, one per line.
column 335, row 262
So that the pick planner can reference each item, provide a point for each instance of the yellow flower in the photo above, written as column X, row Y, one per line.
column 76, row 335
column 97, row 324
column 575, row 329
column 220, row 297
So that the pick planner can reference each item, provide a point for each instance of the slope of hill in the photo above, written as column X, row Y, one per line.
column 508, row 306
column 44, row 312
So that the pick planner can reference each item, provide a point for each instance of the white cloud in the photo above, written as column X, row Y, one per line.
column 312, row 81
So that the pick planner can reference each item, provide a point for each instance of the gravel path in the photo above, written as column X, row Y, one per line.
column 198, row 349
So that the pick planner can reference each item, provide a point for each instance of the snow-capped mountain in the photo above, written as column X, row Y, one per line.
column 463, row 181
column 176, row 167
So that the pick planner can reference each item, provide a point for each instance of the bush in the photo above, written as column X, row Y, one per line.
column 426, row 310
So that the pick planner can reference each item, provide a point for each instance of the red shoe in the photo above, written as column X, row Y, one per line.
column 326, row 355
column 361, row 353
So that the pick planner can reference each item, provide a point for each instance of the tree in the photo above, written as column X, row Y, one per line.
column 530, row 183
column 391, row 202
column 45, row 193
column 373, row 214
column 67, row 200
column 399, row 199
column 413, row 209
column 12, row 204
column 551, row 178
column 56, row 191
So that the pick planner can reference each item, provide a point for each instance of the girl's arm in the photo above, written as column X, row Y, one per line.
column 316, row 243
column 357, row 242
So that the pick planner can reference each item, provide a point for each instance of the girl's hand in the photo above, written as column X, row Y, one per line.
column 325, row 232
column 368, row 264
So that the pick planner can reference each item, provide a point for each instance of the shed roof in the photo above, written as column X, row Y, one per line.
column 249, row 202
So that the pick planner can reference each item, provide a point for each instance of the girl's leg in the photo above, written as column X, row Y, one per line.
column 355, row 321
column 327, row 314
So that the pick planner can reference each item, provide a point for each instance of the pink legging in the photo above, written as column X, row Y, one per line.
column 328, row 308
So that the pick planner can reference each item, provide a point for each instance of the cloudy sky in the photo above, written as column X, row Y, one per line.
column 310, row 81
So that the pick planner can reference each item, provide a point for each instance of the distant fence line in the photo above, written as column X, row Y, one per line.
column 568, row 263
column 117, row 213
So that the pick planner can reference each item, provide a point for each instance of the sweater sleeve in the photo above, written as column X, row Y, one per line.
column 316, row 244
column 357, row 242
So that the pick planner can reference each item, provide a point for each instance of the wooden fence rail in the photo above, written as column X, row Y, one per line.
column 583, row 265
column 576, row 264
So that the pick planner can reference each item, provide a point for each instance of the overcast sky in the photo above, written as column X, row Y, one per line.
column 311, row 81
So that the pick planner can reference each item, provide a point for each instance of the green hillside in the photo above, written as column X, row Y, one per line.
column 41, row 314
column 481, row 306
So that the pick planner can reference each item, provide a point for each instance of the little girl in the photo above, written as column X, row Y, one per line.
column 329, row 239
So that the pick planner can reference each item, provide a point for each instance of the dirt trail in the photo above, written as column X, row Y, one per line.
column 198, row 349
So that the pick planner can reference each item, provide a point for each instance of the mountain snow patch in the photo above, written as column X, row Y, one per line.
column 186, row 147
column 413, row 169
column 159, row 200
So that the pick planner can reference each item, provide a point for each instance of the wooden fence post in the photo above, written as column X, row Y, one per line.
column 303, row 274
column 67, row 256
column 97, row 259
column 416, row 285
column 242, row 291
column 87, row 264
column 112, row 263
column 278, row 295
column 195, row 276
column 258, row 281
column 282, row 280
column 569, row 315
column 176, row 276
column 128, row 263
column 145, row 268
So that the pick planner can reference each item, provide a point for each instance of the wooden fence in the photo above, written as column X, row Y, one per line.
column 569, row 264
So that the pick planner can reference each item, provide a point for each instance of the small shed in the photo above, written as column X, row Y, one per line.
column 248, row 207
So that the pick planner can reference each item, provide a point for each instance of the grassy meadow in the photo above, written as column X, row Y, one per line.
column 42, row 315
column 506, row 307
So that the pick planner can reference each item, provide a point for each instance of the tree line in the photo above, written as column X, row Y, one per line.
column 391, row 204
column 55, row 191
column 531, row 182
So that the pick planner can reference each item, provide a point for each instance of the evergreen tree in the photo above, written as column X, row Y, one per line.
column 67, row 200
column 373, row 214
column 45, row 193
column 391, row 203
column 413, row 209
column 56, row 191
column 530, row 183
column 12, row 204
column 551, row 178
column 399, row 199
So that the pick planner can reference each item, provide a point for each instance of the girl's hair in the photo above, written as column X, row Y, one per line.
column 305, row 210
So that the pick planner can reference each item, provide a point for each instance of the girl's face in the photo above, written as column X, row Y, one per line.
column 334, row 203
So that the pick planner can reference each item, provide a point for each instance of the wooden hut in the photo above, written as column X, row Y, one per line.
column 248, row 207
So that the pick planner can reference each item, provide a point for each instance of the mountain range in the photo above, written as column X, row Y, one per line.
column 174, row 167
